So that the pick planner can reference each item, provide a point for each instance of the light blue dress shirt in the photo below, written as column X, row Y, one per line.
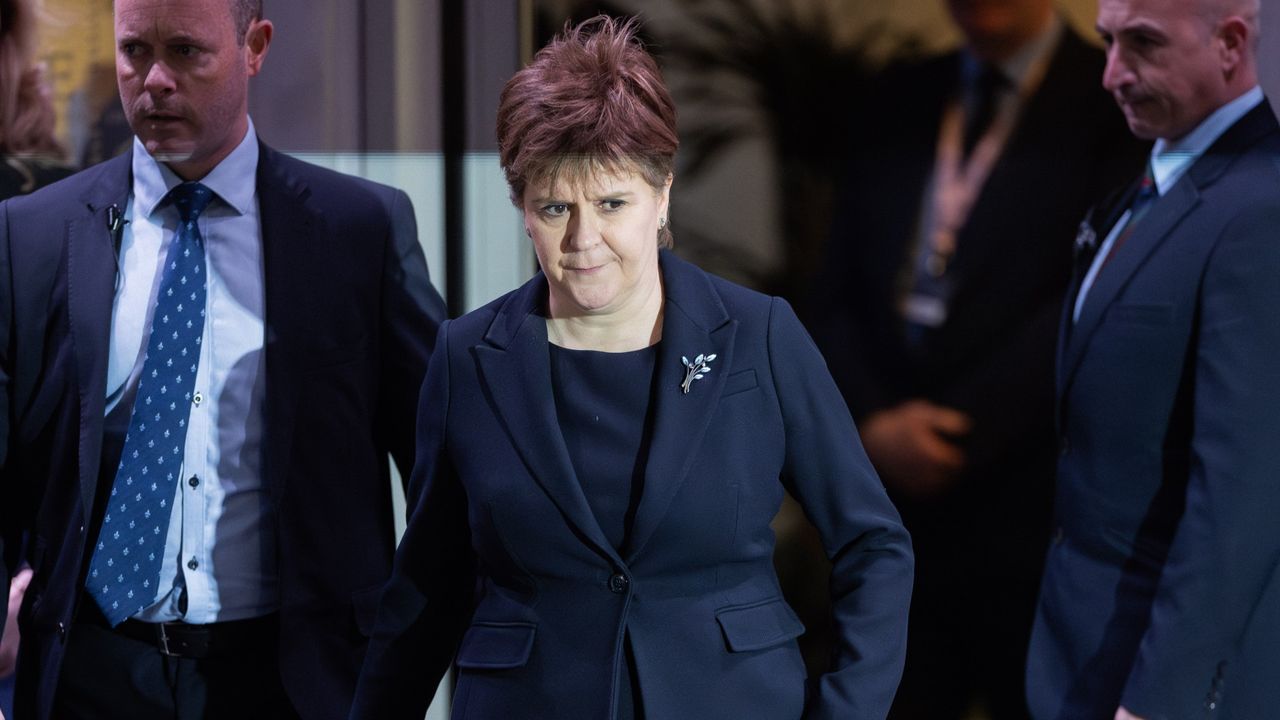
column 220, row 549
column 1169, row 162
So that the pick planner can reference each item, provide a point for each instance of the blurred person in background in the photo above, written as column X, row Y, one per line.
column 600, row 453
column 32, row 156
column 965, row 179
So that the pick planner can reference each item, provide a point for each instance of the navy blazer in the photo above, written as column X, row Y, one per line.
column 504, row 556
column 1161, row 591
column 350, row 317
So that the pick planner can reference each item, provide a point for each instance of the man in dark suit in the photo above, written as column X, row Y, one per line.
column 1161, row 593
column 207, row 352
column 937, row 311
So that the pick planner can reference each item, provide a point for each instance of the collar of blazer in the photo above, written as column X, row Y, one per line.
column 515, row 367
column 91, row 273
column 1158, row 224
column 291, row 223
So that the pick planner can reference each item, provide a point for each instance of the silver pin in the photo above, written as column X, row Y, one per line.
column 695, row 370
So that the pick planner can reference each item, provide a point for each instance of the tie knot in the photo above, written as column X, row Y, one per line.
column 1147, row 186
column 191, row 199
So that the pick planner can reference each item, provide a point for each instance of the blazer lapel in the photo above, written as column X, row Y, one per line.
column 1159, row 222
column 91, row 276
column 1096, row 225
column 288, row 221
column 515, row 369
column 695, row 322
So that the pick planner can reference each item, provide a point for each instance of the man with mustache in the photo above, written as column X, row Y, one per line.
column 207, row 352
column 1161, row 591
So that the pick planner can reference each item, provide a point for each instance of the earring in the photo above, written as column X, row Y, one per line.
column 662, row 223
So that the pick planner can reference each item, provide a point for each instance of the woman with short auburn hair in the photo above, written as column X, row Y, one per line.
column 600, row 453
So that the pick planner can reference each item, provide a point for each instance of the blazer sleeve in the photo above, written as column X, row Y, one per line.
column 1226, row 548
column 412, row 311
column 826, row 469
column 426, row 603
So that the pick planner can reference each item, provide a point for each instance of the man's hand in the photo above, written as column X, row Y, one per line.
column 1121, row 714
column 913, row 446
column 9, row 644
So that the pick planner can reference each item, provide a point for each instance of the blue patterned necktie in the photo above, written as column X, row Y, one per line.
column 126, row 562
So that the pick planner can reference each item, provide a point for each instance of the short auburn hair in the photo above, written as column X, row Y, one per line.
column 592, row 100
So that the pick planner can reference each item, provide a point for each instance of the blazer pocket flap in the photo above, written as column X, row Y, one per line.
column 1143, row 313
column 759, row 626
column 496, row 646
column 741, row 381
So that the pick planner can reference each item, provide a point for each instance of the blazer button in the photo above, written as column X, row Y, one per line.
column 1057, row 535
column 62, row 631
column 618, row 583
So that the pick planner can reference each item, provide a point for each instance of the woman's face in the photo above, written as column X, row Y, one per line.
column 597, row 240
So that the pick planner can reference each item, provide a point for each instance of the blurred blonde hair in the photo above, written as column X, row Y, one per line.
column 26, row 109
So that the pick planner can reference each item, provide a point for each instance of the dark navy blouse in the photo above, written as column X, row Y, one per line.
column 602, row 402
column 603, row 405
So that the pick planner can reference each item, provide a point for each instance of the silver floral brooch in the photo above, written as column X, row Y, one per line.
column 695, row 370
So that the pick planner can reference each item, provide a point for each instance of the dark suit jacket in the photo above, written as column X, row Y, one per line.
column 993, row 358
column 1162, row 589
column 350, row 317
column 499, row 509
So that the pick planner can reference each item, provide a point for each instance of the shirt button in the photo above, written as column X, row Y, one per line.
column 198, row 398
column 618, row 583
column 192, row 564
column 194, row 481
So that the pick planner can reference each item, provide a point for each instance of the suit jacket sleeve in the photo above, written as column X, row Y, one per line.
column 411, row 313
column 1226, row 547
column 828, row 472
column 426, row 602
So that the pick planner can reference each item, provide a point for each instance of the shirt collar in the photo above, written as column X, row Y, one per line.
column 232, row 180
column 1170, row 159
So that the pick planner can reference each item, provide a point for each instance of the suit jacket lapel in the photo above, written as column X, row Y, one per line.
column 1159, row 223
column 288, row 222
column 91, row 276
column 695, row 322
column 515, row 368
column 1093, row 229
